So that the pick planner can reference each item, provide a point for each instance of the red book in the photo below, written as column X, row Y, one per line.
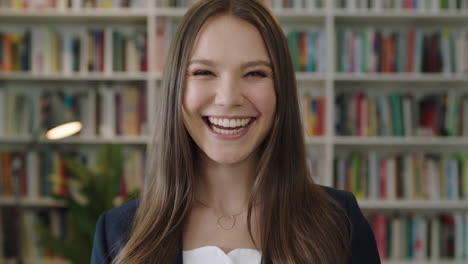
column 410, row 51
column 349, row 171
column 321, row 116
column 392, row 54
column 380, row 231
column 428, row 122
column 383, row 178
column 359, row 101
column 101, row 50
column 23, row 183
column 63, row 178
column 144, row 62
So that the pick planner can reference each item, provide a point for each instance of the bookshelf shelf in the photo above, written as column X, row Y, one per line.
column 30, row 202
column 170, row 11
column 401, row 141
column 137, row 140
column 423, row 205
column 34, row 261
column 44, row 261
column 318, row 140
column 75, row 77
column 400, row 77
column 15, row 139
column 306, row 76
column 120, row 14
column 400, row 14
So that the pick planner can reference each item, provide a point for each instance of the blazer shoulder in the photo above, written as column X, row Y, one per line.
column 112, row 231
column 363, row 244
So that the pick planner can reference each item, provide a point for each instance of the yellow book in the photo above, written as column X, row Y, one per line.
column 107, row 4
column 15, row 57
column 130, row 111
column 7, row 53
column 16, row 4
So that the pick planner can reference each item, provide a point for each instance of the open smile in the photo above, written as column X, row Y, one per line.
column 233, row 127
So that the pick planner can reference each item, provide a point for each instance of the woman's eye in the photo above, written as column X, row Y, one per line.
column 202, row 73
column 257, row 74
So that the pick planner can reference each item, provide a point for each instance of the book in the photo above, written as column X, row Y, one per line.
column 395, row 50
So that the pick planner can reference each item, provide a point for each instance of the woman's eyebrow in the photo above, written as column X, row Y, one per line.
column 243, row 65
column 202, row 61
column 255, row 63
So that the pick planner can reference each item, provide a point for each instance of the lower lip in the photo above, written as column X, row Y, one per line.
column 230, row 136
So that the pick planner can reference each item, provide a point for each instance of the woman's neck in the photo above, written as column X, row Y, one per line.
column 226, row 187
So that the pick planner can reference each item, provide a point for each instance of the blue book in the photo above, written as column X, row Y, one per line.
column 311, row 63
column 418, row 51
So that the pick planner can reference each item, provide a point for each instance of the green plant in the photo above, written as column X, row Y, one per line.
column 91, row 193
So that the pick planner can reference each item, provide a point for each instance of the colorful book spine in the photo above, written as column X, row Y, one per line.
column 396, row 50
column 418, row 237
column 408, row 176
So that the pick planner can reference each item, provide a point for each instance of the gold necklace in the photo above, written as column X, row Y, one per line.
column 225, row 222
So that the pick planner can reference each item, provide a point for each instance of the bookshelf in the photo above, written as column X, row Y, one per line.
column 330, row 16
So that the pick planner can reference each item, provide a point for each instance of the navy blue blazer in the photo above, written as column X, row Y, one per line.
column 114, row 225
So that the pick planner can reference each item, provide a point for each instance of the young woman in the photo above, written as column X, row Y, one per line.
column 229, row 181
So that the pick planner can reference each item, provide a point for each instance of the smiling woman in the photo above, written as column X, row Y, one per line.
column 229, row 181
column 229, row 81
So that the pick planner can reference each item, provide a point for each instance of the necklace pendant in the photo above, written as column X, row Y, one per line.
column 226, row 222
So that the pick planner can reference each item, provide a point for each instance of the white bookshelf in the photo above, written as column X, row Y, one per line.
column 30, row 202
column 400, row 141
column 326, row 84
column 411, row 206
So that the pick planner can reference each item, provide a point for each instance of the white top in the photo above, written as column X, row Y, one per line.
column 214, row 255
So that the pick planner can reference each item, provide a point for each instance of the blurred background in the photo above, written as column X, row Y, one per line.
column 383, row 88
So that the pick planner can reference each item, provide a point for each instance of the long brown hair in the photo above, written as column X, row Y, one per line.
column 299, row 222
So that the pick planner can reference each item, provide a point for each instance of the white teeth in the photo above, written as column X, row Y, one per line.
column 227, row 132
column 224, row 122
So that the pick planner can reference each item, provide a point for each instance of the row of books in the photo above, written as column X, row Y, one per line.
column 308, row 49
column 407, row 176
column 274, row 4
column 389, row 50
column 307, row 46
column 419, row 5
column 69, row 50
column 16, row 114
column 39, row 5
column 165, row 29
column 28, row 245
column 314, row 112
column 401, row 114
column 296, row 4
column 421, row 237
column 106, row 111
column 42, row 173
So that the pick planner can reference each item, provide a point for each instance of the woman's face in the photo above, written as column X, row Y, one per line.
column 229, row 99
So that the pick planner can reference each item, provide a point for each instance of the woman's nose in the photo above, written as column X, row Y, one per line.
column 229, row 93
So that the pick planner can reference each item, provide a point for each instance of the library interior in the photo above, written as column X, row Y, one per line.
column 383, row 92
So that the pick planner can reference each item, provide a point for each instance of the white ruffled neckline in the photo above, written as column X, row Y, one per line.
column 215, row 255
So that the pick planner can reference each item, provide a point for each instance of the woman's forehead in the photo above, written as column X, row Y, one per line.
column 225, row 38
